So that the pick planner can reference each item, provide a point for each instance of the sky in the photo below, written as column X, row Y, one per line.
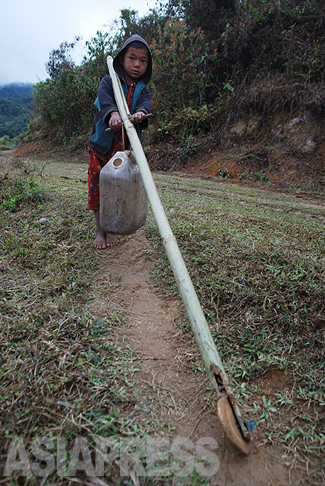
column 31, row 29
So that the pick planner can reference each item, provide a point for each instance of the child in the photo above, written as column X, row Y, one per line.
column 133, row 64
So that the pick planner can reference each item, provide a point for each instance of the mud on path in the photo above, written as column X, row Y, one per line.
column 168, row 390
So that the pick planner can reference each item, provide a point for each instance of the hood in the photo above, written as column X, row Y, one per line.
column 118, row 66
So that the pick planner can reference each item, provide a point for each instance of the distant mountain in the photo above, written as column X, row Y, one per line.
column 16, row 104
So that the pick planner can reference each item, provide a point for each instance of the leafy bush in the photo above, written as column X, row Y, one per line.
column 65, row 103
column 184, row 123
column 23, row 191
column 6, row 143
column 186, row 149
column 182, row 67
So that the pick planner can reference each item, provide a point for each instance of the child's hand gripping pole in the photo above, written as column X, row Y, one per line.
column 144, row 117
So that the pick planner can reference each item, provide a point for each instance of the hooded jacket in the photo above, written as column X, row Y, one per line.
column 105, row 103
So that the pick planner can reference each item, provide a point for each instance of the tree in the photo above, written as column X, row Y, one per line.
column 60, row 59
column 211, row 16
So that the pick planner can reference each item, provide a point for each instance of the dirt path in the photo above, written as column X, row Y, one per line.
column 168, row 390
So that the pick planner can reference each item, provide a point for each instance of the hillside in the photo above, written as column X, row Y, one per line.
column 16, row 107
column 270, row 133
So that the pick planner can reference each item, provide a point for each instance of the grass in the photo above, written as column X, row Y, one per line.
column 256, row 259
column 62, row 375
column 65, row 380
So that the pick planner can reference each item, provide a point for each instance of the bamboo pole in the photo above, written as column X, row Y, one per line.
column 204, row 340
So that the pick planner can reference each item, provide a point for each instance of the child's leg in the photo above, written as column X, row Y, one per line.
column 102, row 239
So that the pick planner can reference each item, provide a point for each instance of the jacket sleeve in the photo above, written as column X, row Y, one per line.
column 106, row 103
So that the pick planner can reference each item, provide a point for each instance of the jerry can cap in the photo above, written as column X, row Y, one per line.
column 117, row 162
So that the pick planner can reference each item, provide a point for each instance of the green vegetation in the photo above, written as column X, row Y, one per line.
column 210, row 60
column 58, row 362
column 63, row 374
column 16, row 107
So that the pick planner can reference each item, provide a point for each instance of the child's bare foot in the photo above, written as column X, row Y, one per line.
column 103, row 239
column 111, row 240
column 100, row 240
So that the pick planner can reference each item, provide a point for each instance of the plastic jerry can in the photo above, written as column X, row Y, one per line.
column 123, row 199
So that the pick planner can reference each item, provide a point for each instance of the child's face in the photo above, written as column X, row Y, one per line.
column 135, row 63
